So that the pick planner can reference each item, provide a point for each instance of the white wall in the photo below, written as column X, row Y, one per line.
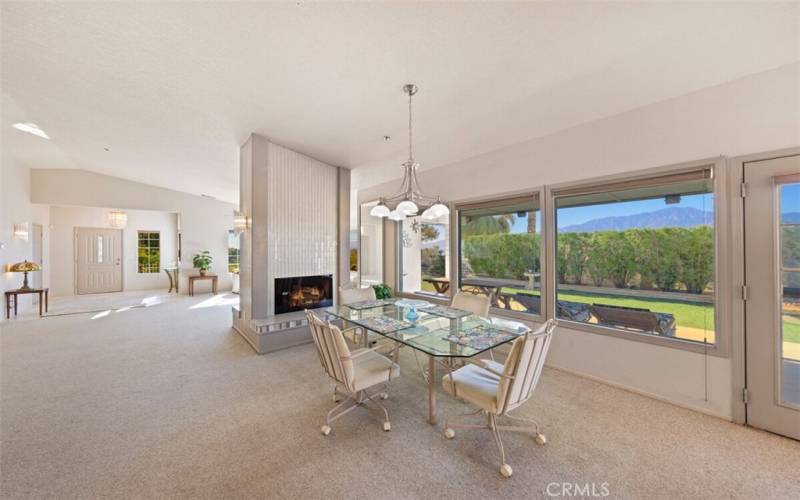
column 753, row 114
column 15, row 208
column 64, row 220
column 204, row 222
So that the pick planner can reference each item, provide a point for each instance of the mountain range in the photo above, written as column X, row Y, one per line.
column 666, row 217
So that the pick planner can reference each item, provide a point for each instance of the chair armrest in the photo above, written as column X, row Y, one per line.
column 485, row 365
column 363, row 351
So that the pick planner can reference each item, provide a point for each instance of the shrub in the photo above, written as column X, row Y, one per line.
column 502, row 255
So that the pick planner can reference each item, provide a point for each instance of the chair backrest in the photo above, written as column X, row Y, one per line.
column 334, row 355
column 351, row 295
column 524, row 363
column 476, row 304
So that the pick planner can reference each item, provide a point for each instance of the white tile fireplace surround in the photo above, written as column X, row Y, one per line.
column 293, row 202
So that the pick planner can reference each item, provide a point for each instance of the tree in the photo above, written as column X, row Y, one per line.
column 502, row 255
column 487, row 224
column 428, row 232
column 575, row 247
column 432, row 261
column 696, row 252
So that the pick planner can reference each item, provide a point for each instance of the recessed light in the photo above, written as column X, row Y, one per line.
column 387, row 138
column 31, row 128
column 106, row 148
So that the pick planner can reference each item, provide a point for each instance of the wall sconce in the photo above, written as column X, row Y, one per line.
column 117, row 219
column 241, row 222
column 21, row 231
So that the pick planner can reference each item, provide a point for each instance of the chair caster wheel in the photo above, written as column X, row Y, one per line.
column 387, row 426
column 449, row 433
column 541, row 439
column 326, row 429
column 384, row 395
column 506, row 470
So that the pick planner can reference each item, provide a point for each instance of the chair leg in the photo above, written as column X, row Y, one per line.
column 491, row 424
column 531, row 429
column 505, row 469
column 359, row 399
column 387, row 426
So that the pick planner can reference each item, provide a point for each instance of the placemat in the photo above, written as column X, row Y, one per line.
column 480, row 337
column 447, row 312
column 383, row 324
column 368, row 304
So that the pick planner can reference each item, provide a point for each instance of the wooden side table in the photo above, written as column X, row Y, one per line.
column 14, row 294
column 212, row 277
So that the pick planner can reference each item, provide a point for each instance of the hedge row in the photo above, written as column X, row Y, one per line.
column 663, row 259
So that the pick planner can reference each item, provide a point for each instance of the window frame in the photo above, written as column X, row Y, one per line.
column 535, row 194
column 138, row 247
column 726, row 295
column 442, row 299
column 723, row 289
column 371, row 203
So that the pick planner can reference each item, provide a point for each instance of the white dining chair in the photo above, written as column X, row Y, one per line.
column 476, row 304
column 496, row 389
column 349, row 296
column 354, row 373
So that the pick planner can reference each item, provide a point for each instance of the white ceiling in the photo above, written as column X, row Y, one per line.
column 173, row 88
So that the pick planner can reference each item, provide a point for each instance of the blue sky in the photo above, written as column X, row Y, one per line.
column 790, row 198
column 579, row 215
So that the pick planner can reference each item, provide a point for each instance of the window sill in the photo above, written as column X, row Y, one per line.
column 670, row 342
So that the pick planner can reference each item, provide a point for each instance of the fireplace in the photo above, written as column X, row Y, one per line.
column 303, row 292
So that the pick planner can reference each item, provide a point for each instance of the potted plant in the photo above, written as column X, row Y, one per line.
column 382, row 291
column 202, row 261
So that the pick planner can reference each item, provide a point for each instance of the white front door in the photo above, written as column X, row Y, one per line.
column 98, row 259
column 772, row 274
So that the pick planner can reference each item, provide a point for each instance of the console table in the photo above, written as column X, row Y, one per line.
column 14, row 294
column 212, row 277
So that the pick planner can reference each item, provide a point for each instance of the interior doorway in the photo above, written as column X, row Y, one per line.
column 772, row 306
column 98, row 260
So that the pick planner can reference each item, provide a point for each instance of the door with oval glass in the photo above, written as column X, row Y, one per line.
column 98, row 260
column 772, row 306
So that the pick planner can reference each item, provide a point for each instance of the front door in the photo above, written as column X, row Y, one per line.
column 772, row 274
column 98, row 257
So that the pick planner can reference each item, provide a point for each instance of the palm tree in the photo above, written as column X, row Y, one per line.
column 487, row 224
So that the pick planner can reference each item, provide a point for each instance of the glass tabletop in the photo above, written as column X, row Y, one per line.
column 433, row 334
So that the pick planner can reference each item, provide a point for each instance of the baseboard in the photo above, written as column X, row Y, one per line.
column 640, row 392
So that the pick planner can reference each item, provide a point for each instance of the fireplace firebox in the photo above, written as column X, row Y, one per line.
column 303, row 292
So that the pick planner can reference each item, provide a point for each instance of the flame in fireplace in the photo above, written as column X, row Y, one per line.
column 305, row 296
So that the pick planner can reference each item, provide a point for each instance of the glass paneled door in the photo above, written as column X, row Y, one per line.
column 772, row 274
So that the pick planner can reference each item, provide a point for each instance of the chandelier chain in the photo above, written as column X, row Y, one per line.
column 410, row 144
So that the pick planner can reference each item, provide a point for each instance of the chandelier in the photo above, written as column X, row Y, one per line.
column 410, row 199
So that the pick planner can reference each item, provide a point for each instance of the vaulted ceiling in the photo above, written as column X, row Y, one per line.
column 164, row 93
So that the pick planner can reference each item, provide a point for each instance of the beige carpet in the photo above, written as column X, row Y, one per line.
column 168, row 402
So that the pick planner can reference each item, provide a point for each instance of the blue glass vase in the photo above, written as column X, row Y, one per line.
column 411, row 315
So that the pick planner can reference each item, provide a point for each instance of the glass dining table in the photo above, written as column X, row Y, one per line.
column 437, row 331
